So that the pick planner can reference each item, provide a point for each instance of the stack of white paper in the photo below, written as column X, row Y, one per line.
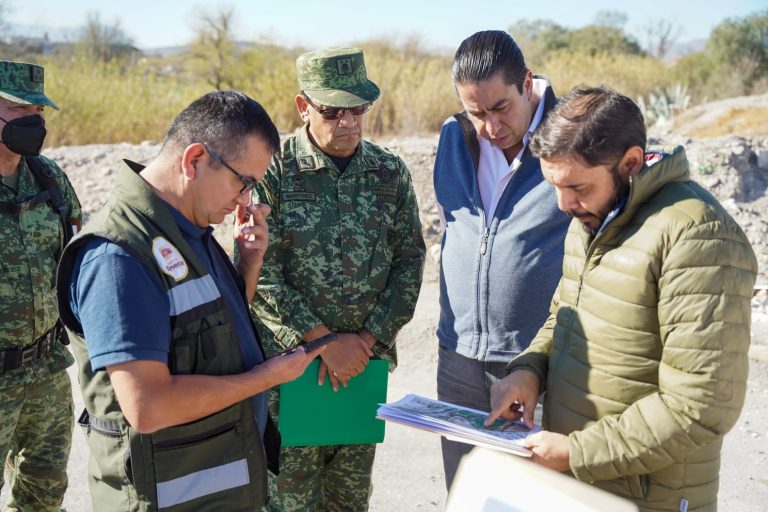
column 457, row 423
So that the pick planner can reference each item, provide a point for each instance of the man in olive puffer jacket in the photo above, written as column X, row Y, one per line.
column 644, row 355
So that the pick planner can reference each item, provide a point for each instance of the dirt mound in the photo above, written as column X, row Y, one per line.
column 734, row 169
column 745, row 115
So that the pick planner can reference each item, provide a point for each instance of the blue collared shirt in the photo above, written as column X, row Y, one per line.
column 106, row 283
column 621, row 202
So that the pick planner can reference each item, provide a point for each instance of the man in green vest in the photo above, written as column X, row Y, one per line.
column 644, row 354
column 38, row 212
column 171, row 369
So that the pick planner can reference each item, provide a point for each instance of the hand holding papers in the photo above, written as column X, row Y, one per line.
column 458, row 423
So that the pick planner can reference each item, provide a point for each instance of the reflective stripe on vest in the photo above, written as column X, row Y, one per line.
column 202, row 483
column 191, row 294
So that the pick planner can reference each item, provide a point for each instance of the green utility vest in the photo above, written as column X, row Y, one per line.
column 213, row 464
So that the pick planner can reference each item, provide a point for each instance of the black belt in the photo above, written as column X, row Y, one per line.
column 18, row 357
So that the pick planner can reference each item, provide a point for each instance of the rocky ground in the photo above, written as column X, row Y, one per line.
column 408, row 470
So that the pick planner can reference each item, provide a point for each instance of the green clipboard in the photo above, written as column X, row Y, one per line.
column 312, row 415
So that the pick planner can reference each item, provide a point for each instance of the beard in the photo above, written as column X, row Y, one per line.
column 620, row 189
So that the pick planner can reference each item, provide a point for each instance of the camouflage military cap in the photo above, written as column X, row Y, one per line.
column 336, row 77
column 23, row 83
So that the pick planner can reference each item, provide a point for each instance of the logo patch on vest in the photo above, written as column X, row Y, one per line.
column 169, row 259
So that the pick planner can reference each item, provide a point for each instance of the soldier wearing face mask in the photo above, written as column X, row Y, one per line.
column 39, row 212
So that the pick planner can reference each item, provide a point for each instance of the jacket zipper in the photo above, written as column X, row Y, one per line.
column 587, row 253
column 186, row 441
column 478, row 309
column 484, row 241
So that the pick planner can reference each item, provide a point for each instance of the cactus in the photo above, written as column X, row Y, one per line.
column 664, row 103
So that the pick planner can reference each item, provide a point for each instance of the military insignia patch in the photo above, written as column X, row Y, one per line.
column 169, row 259
column 344, row 66
column 37, row 74
column 371, row 162
column 307, row 162
column 298, row 181
column 385, row 173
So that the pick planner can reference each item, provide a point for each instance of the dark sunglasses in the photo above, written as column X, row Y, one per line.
column 248, row 183
column 336, row 113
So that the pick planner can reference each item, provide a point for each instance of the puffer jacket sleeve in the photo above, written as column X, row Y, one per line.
column 704, row 292
column 536, row 357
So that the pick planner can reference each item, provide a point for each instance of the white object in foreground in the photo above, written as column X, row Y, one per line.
column 489, row 481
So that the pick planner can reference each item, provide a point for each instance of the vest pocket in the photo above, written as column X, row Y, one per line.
column 110, row 453
column 205, row 352
column 209, row 464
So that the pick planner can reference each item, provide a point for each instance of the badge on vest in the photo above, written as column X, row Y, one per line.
column 169, row 258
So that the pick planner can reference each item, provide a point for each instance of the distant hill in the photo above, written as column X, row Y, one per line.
column 678, row 50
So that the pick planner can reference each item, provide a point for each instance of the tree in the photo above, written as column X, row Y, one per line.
column 537, row 38
column 101, row 41
column 739, row 46
column 610, row 18
column 594, row 39
column 213, row 51
column 661, row 35
column 3, row 12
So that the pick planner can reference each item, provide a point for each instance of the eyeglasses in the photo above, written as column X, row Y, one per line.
column 248, row 183
column 330, row 114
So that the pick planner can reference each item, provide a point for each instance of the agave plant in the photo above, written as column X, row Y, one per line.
column 664, row 103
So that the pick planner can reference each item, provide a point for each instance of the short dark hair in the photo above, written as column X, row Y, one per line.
column 483, row 54
column 595, row 124
column 222, row 119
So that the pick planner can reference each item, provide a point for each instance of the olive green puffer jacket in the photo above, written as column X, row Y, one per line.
column 644, row 355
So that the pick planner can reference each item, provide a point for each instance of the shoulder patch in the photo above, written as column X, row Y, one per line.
column 371, row 162
column 169, row 259
column 307, row 162
column 386, row 173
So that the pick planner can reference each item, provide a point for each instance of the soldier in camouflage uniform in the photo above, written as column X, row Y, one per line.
column 345, row 254
column 35, row 393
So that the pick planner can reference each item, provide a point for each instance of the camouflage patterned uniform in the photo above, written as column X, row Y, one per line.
column 35, row 399
column 346, row 251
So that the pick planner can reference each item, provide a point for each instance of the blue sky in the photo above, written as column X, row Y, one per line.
column 441, row 24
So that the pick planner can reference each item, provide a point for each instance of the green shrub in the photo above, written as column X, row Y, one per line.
column 110, row 102
column 631, row 75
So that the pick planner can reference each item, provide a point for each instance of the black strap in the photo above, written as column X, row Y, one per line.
column 470, row 138
column 272, row 442
column 102, row 426
column 52, row 195
column 19, row 208
column 46, row 179
column 18, row 357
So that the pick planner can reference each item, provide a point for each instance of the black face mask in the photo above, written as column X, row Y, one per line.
column 24, row 135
